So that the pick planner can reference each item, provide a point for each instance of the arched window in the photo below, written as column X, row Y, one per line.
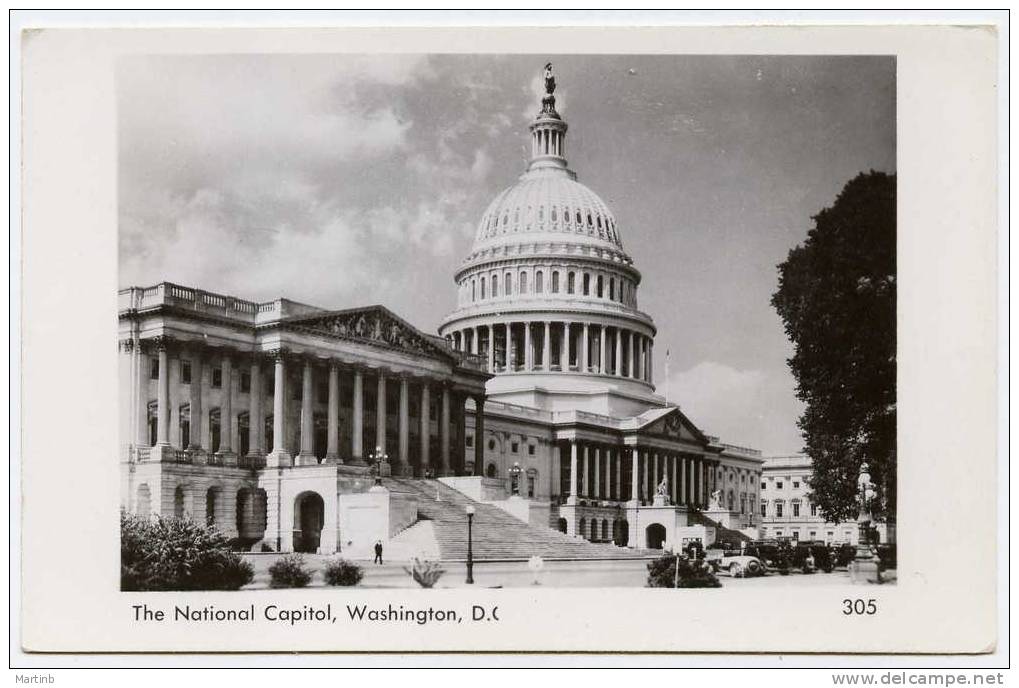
column 587, row 284
column 532, row 481
column 539, row 282
column 491, row 471
column 570, row 283
column 612, row 289
column 214, row 430
column 555, row 282
column 474, row 291
column 495, row 285
column 184, row 422
column 600, row 285
column 523, row 283
column 482, row 287
column 509, row 284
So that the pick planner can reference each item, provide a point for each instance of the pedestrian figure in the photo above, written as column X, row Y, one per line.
column 378, row 552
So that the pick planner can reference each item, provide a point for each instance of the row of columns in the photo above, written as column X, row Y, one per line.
column 597, row 348
column 625, row 474
column 545, row 280
column 278, row 454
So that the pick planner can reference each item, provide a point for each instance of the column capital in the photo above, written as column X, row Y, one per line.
column 279, row 353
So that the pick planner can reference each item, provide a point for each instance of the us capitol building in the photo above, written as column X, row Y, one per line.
column 293, row 427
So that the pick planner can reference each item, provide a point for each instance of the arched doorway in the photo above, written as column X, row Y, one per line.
column 561, row 525
column 309, row 517
column 624, row 533
column 582, row 528
column 491, row 471
column 605, row 530
column 212, row 503
column 655, row 536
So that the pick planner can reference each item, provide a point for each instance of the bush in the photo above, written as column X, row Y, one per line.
column 289, row 571
column 177, row 554
column 692, row 573
column 425, row 573
column 342, row 572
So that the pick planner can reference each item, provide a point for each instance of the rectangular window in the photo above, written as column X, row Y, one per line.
column 764, row 509
column 153, row 368
column 515, row 447
column 796, row 535
column 470, row 440
column 778, row 533
column 796, row 484
column 763, row 485
column 530, row 486
column 778, row 510
column 245, row 382
column 813, row 509
column 530, row 449
column 185, row 372
column 217, row 378
column 778, row 485
column 813, row 534
column 796, row 509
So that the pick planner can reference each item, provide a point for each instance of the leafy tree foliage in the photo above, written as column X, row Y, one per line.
column 177, row 554
column 836, row 296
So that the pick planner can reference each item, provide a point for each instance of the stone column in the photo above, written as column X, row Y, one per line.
column 491, row 348
column 586, row 348
column 587, row 472
column 197, row 364
column 574, row 467
column 632, row 372
column 226, row 411
column 596, row 492
column 619, row 473
column 444, row 421
column 645, row 491
column 654, row 471
column 279, row 455
column 635, row 476
column 333, row 432
column 640, row 357
column 306, row 455
column 475, row 343
column 357, row 436
column 650, row 369
column 479, row 435
column 528, row 349
column 546, row 352
column 699, row 499
column 602, row 367
column 163, row 397
column 509, row 346
column 608, row 473
column 405, row 467
column 674, row 470
column 256, row 424
column 380, row 414
column 564, row 350
column 426, row 426
column 618, row 359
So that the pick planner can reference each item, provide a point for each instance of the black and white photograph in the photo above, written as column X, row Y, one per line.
column 498, row 320
column 646, row 345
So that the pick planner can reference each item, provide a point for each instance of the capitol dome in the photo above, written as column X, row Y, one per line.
column 552, row 205
column 547, row 297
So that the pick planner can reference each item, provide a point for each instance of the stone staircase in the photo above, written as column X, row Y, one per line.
column 696, row 518
column 497, row 536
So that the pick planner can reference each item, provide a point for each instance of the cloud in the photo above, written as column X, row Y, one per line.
column 744, row 407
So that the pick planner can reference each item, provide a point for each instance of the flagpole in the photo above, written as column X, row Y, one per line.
column 667, row 381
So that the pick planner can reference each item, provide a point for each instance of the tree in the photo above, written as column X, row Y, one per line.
column 836, row 297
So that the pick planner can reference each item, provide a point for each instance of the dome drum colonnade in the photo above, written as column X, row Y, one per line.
column 548, row 249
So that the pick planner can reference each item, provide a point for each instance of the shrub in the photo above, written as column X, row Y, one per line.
column 425, row 573
column 177, row 554
column 289, row 571
column 342, row 572
column 692, row 573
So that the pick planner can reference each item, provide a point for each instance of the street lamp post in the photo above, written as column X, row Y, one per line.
column 865, row 567
column 515, row 472
column 377, row 459
column 470, row 550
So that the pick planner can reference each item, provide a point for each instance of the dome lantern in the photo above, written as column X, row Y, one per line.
column 548, row 132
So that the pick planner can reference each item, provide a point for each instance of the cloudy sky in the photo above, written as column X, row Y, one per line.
column 342, row 180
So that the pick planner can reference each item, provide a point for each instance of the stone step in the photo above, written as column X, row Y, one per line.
column 495, row 533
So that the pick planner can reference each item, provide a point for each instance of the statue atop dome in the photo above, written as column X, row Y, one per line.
column 548, row 100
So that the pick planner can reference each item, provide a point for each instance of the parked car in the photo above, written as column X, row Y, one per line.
column 740, row 565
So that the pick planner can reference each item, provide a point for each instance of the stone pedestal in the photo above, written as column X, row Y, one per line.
column 865, row 568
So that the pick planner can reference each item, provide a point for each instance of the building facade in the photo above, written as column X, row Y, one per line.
column 270, row 420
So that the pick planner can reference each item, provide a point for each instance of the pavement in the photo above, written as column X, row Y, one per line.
column 555, row 574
